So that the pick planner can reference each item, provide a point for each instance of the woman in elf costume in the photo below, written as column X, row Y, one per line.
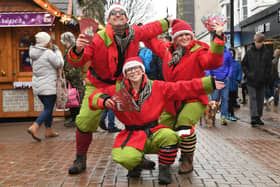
column 142, row 133
column 185, row 59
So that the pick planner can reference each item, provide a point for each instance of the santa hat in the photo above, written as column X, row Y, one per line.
column 132, row 62
column 180, row 27
column 116, row 5
column 42, row 39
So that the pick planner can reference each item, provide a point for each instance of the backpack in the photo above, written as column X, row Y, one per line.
column 146, row 56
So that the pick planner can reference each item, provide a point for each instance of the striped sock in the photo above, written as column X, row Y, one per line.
column 187, row 144
column 167, row 154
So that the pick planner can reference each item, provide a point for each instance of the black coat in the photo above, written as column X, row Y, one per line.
column 257, row 66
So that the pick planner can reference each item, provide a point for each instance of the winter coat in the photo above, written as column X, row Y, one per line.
column 73, row 74
column 257, row 66
column 103, row 52
column 198, row 58
column 45, row 63
column 236, row 76
column 161, row 93
column 225, row 71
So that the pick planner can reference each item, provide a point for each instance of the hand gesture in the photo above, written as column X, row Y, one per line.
column 81, row 42
column 109, row 104
column 218, row 28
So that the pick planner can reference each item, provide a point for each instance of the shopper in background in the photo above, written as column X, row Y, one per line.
column 256, row 65
column 46, row 59
column 73, row 75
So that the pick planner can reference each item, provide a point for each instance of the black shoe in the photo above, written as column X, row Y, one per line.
column 237, row 106
column 70, row 124
column 254, row 123
column 102, row 125
column 164, row 174
column 260, row 122
column 244, row 102
column 115, row 129
column 134, row 173
column 79, row 164
column 147, row 164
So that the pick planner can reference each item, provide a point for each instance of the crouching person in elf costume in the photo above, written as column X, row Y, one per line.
column 142, row 133
column 186, row 59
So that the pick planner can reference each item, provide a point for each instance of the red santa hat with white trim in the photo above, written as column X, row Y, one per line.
column 180, row 27
column 132, row 62
column 116, row 5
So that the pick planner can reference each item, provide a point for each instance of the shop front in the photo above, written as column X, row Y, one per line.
column 266, row 22
column 19, row 22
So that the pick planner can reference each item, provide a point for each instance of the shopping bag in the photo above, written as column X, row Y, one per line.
column 61, row 90
column 73, row 97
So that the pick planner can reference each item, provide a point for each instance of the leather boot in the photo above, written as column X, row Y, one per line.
column 186, row 164
column 79, row 164
column 145, row 164
column 164, row 174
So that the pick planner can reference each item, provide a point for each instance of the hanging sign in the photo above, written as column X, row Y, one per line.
column 21, row 19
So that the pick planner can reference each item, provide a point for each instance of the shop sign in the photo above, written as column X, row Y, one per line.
column 26, row 19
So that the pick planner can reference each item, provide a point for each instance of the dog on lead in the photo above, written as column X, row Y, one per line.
column 210, row 113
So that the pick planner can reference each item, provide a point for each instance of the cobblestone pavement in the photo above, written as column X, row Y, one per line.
column 236, row 155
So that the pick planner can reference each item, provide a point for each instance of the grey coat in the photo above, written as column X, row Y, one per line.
column 45, row 63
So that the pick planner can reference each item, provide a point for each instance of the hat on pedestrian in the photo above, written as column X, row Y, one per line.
column 180, row 27
column 112, row 7
column 42, row 39
column 132, row 62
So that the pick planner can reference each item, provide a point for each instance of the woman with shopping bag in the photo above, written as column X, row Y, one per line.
column 46, row 59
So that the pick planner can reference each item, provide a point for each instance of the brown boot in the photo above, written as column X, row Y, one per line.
column 50, row 133
column 33, row 131
column 164, row 174
column 79, row 164
column 186, row 164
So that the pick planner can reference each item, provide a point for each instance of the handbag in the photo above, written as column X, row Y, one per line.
column 61, row 90
column 73, row 97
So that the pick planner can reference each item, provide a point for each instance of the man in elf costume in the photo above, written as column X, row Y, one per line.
column 142, row 133
column 107, row 52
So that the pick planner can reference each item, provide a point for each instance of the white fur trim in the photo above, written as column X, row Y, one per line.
column 182, row 32
column 185, row 132
column 113, row 7
column 132, row 64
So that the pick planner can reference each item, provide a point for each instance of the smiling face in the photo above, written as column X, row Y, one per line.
column 134, row 74
column 117, row 17
column 183, row 40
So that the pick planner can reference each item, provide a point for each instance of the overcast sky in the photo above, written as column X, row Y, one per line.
column 161, row 5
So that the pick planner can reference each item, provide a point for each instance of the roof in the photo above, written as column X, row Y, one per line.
column 62, row 5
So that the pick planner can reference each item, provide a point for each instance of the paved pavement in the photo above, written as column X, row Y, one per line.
column 236, row 155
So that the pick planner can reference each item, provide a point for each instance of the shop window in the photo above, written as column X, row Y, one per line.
column 25, row 39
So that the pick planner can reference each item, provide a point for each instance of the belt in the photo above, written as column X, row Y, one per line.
column 108, row 81
column 146, row 128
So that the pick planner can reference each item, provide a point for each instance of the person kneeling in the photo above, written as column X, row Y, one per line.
column 144, row 102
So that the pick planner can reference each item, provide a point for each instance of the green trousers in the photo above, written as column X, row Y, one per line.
column 189, row 116
column 88, row 120
column 130, row 157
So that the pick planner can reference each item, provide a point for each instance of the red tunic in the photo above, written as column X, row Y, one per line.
column 152, row 107
column 103, row 53
column 193, row 64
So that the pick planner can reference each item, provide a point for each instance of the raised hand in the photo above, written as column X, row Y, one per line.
column 81, row 42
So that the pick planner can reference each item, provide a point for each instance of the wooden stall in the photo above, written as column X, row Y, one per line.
column 20, row 20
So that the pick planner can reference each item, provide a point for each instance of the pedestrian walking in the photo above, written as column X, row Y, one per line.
column 235, row 79
column 73, row 75
column 109, row 48
column 256, row 65
column 142, row 133
column 185, row 59
column 46, row 59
